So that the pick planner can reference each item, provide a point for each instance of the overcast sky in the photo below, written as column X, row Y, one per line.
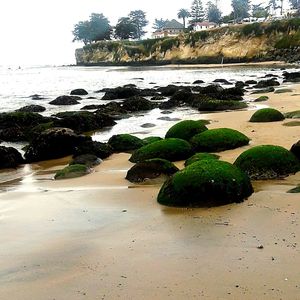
column 40, row 31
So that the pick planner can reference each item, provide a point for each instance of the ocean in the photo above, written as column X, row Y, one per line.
column 19, row 83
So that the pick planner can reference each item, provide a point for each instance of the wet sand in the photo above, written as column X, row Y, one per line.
column 100, row 237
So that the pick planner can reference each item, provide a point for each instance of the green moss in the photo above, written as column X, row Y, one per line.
column 35, row 131
column 151, row 139
column 72, row 172
column 268, row 162
column 200, row 156
column 292, row 123
column 125, row 142
column 293, row 114
column 295, row 190
column 186, row 129
column 168, row 44
column 267, row 115
column 204, row 184
column 220, row 105
column 150, row 169
column 170, row 149
column 216, row 140
column 288, row 41
column 262, row 99
column 88, row 160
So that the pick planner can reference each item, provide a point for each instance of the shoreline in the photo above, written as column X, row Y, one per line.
column 101, row 237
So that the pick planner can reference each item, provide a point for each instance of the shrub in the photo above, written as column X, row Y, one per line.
column 216, row 140
column 125, row 142
column 267, row 115
column 186, row 129
column 168, row 44
column 267, row 162
column 204, row 184
column 200, row 156
column 288, row 41
column 72, row 172
column 151, row 168
column 252, row 29
column 170, row 149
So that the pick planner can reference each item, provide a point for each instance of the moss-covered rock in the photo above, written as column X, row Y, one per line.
column 268, row 162
column 200, row 156
column 72, row 171
column 220, row 105
column 267, row 115
column 10, row 157
column 170, row 149
column 293, row 114
column 292, row 124
column 206, row 183
column 216, row 140
column 150, row 169
column 296, row 149
column 186, row 129
column 151, row 139
column 295, row 190
column 261, row 99
column 125, row 142
column 101, row 150
column 88, row 160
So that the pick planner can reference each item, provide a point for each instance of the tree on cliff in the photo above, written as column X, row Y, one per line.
column 213, row 13
column 183, row 14
column 125, row 29
column 197, row 12
column 138, row 18
column 258, row 11
column 240, row 9
column 159, row 23
column 96, row 29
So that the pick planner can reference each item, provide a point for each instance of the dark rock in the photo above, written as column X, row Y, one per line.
column 112, row 109
column 84, row 121
column 148, row 93
column 266, row 83
column 91, row 98
column 10, row 158
column 250, row 82
column 65, row 100
column 168, row 119
column 168, row 90
column 296, row 149
column 79, row 92
column 137, row 104
column 157, row 98
column 101, row 150
column 13, row 134
column 271, row 75
column 91, row 107
column 291, row 77
column 36, row 97
column 32, row 108
column 240, row 84
column 198, row 81
column 121, row 93
column 148, row 125
column 223, row 81
column 54, row 143
column 89, row 160
column 150, row 169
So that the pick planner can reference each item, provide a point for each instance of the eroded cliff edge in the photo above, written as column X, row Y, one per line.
column 278, row 40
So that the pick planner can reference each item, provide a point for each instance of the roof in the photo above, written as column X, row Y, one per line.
column 173, row 24
column 205, row 23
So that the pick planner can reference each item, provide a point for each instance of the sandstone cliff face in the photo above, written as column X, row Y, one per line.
column 229, row 44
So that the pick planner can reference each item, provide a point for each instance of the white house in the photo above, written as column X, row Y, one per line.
column 199, row 26
column 171, row 28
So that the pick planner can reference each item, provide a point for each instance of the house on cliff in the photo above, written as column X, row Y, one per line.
column 199, row 26
column 171, row 28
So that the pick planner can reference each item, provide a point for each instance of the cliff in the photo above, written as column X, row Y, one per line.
column 279, row 40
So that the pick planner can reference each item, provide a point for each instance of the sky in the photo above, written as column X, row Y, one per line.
column 39, row 32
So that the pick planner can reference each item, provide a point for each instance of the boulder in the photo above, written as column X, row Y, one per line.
column 101, row 150
column 79, row 92
column 266, row 83
column 72, row 171
column 150, row 169
column 296, row 149
column 32, row 108
column 293, row 114
column 206, row 183
column 200, row 156
column 137, row 104
column 88, row 160
column 292, row 76
column 186, row 129
column 261, row 99
column 53, row 143
column 199, row 81
column 169, row 149
column 219, row 105
column 10, row 157
column 125, row 142
column 169, row 90
column 220, row 139
column 250, row 82
column 121, row 93
column 65, row 100
column 267, row 115
column 268, row 162
column 151, row 139
column 223, row 81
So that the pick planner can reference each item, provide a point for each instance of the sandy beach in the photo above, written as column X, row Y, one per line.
column 101, row 237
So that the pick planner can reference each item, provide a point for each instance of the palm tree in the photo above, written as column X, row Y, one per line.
column 183, row 14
